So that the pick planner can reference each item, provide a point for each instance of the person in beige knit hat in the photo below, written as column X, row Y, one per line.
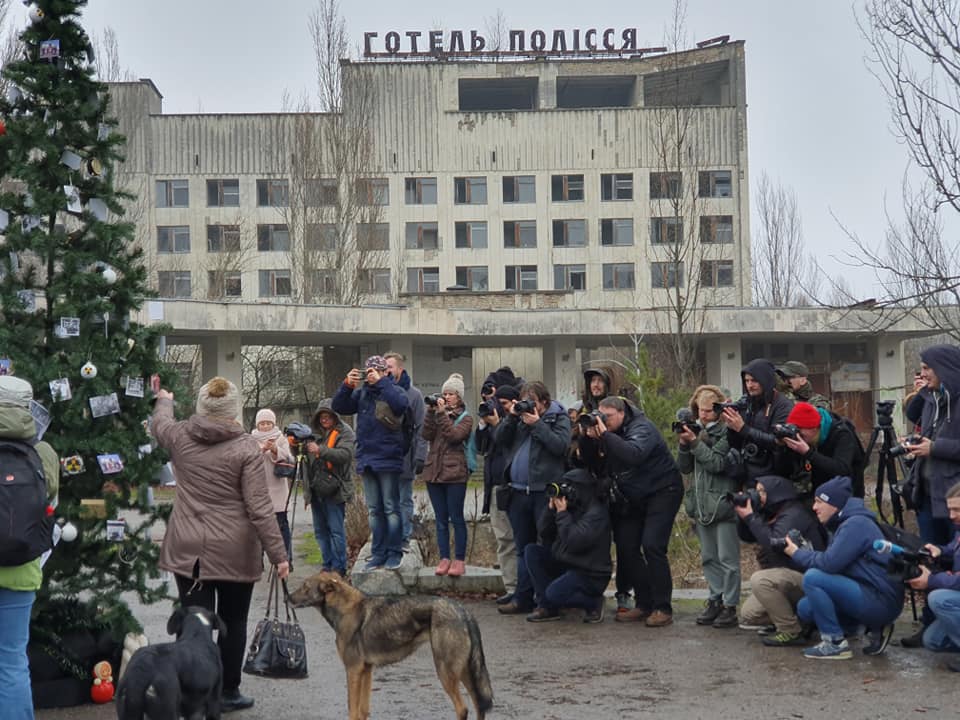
column 278, row 466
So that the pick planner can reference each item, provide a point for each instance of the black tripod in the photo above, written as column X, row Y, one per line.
column 887, row 461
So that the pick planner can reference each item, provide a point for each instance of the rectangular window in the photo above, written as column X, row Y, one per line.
column 618, row 276
column 223, row 238
column 174, row 283
column 173, row 239
column 665, row 185
column 422, row 236
column 716, row 184
column 323, row 283
column 273, row 193
column 275, row 283
column 716, row 273
column 223, row 193
column 420, row 191
column 666, row 230
column 273, row 238
column 521, row 277
column 423, row 280
column 173, row 193
column 520, row 234
column 569, row 277
column 475, row 279
column 519, row 189
column 470, row 191
column 375, row 280
column 617, row 232
column 617, row 186
column 567, row 188
column 569, row 233
column 320, row 237
column 716, row 229
column 471, row 235
column 666, row 274
column 321, row 192
column 373, row 236
column 373, row 191
column 224, row 284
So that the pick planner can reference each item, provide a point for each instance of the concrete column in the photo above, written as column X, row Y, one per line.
column 561, row 371
column 890, row 376
column 220, row 355
column 724, row 362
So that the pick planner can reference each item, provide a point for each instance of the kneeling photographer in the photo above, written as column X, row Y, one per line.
column 768, row 514
column 621, row 445
column 570, row 567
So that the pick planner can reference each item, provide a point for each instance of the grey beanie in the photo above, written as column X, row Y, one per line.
column 15, row 392
column 220, row 398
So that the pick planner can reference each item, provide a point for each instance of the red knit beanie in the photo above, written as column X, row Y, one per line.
column 804, row 416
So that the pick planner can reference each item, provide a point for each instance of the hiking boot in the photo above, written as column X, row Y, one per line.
column 504, row 599
column 513, row 608
column 784, row 639
column 634, row 615
column 232, row 700
column 913, row 641
column 711, row 609
column 879, row 639
column 595, row 615
column 443, row 568
column 659, row 618
column 727, row 617
column 457, row 568
column 624, row 602
column 829, row 650
column 542, row 614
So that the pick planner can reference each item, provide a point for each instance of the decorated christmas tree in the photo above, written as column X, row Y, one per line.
column 70, row 278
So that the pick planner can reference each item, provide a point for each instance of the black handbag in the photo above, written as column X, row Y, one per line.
column 278, row 649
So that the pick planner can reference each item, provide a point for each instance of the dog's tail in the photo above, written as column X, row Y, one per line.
column 481, row 691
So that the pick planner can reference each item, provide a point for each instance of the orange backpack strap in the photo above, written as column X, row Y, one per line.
column 331, row 441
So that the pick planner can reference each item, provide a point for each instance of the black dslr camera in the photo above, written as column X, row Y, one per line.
column 431, row 400
column 685, row 419
column 486, row 409
column 781, row 543
column 487, row 389
column 589, row 420
column 298, row 434
column 741, row 405
column 900, row 449
column 565, row 490
column 885, row 412
column 786, row 430
column 524, row 406
column 740, row 499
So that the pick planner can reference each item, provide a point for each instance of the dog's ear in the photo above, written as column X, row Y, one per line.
column 219, row 624
column 175, row 623
column 328, row 585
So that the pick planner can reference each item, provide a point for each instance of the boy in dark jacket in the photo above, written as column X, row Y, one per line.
column 571, row 566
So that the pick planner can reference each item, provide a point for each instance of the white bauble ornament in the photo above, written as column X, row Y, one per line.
column 68, row 533
column 36, row 14
column 88, row 371
column 109, row 275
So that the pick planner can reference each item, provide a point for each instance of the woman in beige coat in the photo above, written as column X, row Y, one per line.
column 222, row 518
column 276, row 452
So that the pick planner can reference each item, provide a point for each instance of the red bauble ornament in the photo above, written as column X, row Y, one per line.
column 3, row 128
column 102, row 691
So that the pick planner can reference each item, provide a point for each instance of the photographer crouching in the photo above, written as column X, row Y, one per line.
column 570, row 567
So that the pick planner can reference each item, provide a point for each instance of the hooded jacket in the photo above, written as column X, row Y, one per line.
column 782, row 512
column 549, row 439
column 589, row 403
column 940, row 422
column 222, row 517
column 417, row 454
column 378, row 448
column 851, row 554
column 764, row 412
column 807, row 394
column 331, row 472
column 949, row 580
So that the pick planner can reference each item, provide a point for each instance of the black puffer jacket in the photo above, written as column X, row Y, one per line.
column 764, row 412
column 782, row 513
column 837, row 454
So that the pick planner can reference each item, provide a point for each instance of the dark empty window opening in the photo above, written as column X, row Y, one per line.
column 596, row 91
column 480, row 94
column 706, row 84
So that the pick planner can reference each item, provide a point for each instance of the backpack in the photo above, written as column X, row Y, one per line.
column 469, row 446
column 404, row 424
column 26, row 519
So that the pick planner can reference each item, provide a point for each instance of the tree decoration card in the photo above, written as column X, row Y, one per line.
column 135, row 387
column 70, row 326
column 72, row 465
column 49, row 49
column 41, row 416
column 29, row 300
column 110, row 463
column 6, row 366
column 103, row 405
column 60, row 389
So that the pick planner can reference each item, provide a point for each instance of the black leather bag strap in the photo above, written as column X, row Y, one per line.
column 288, row 603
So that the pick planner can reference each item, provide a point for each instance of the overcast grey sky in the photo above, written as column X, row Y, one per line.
column 817, row 119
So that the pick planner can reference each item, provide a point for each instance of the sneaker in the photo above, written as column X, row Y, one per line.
column 394, row 562
column 754, row 626
column 443, row 568
column 784, row 639
column 634, row 615
column 373, row 564
column 232, row 700
column 504, row 599
column 766, row 630
column 879, row 639
column 457, row 568
column 513, row 608
column 595, row 615
column 405, row 547
column 727, row 617
column 711, row 608
column 913, row 641
column 829, row 650
column 624, row 602
column 542, row 614
column 659, row 618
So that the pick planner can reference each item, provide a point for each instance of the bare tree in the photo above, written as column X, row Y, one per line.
column 10, row 46
column 106, row 54
column 496, row 30
column 784, row 275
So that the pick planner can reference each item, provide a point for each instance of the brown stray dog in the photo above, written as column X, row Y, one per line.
column 375, row 631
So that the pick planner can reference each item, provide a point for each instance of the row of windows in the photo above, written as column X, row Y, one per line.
column 278, row 283
column 616, row 232
column 320, row 192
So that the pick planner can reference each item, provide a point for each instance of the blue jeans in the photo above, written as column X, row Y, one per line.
column 406, row 506
column 447, row 500
column 835, row 602
column 382, row 493
column 557, row 586
column 328, row 530
column 944, row 633
column 523, row 512
column 15, row 695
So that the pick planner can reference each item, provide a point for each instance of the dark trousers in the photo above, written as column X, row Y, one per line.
column 284, row 524
column 231, row 601
column 642, row 537
column 524, row 511
column 557, row 586
column 624, row 577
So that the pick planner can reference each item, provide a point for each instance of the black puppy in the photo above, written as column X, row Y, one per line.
column 176, row 679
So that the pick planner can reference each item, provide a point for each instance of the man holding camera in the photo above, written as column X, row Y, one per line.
column 379, row 405
column 794, row 374
column 571, row 567
column 847, row 584
column 623, row 446
column 767, row 515
column 751, row 419
column 818, row 445
column 536, row 433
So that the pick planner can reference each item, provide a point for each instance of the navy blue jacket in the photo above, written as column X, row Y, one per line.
column 378, row 449
column 940, row 422
column 851, row 554
column 948, row 580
